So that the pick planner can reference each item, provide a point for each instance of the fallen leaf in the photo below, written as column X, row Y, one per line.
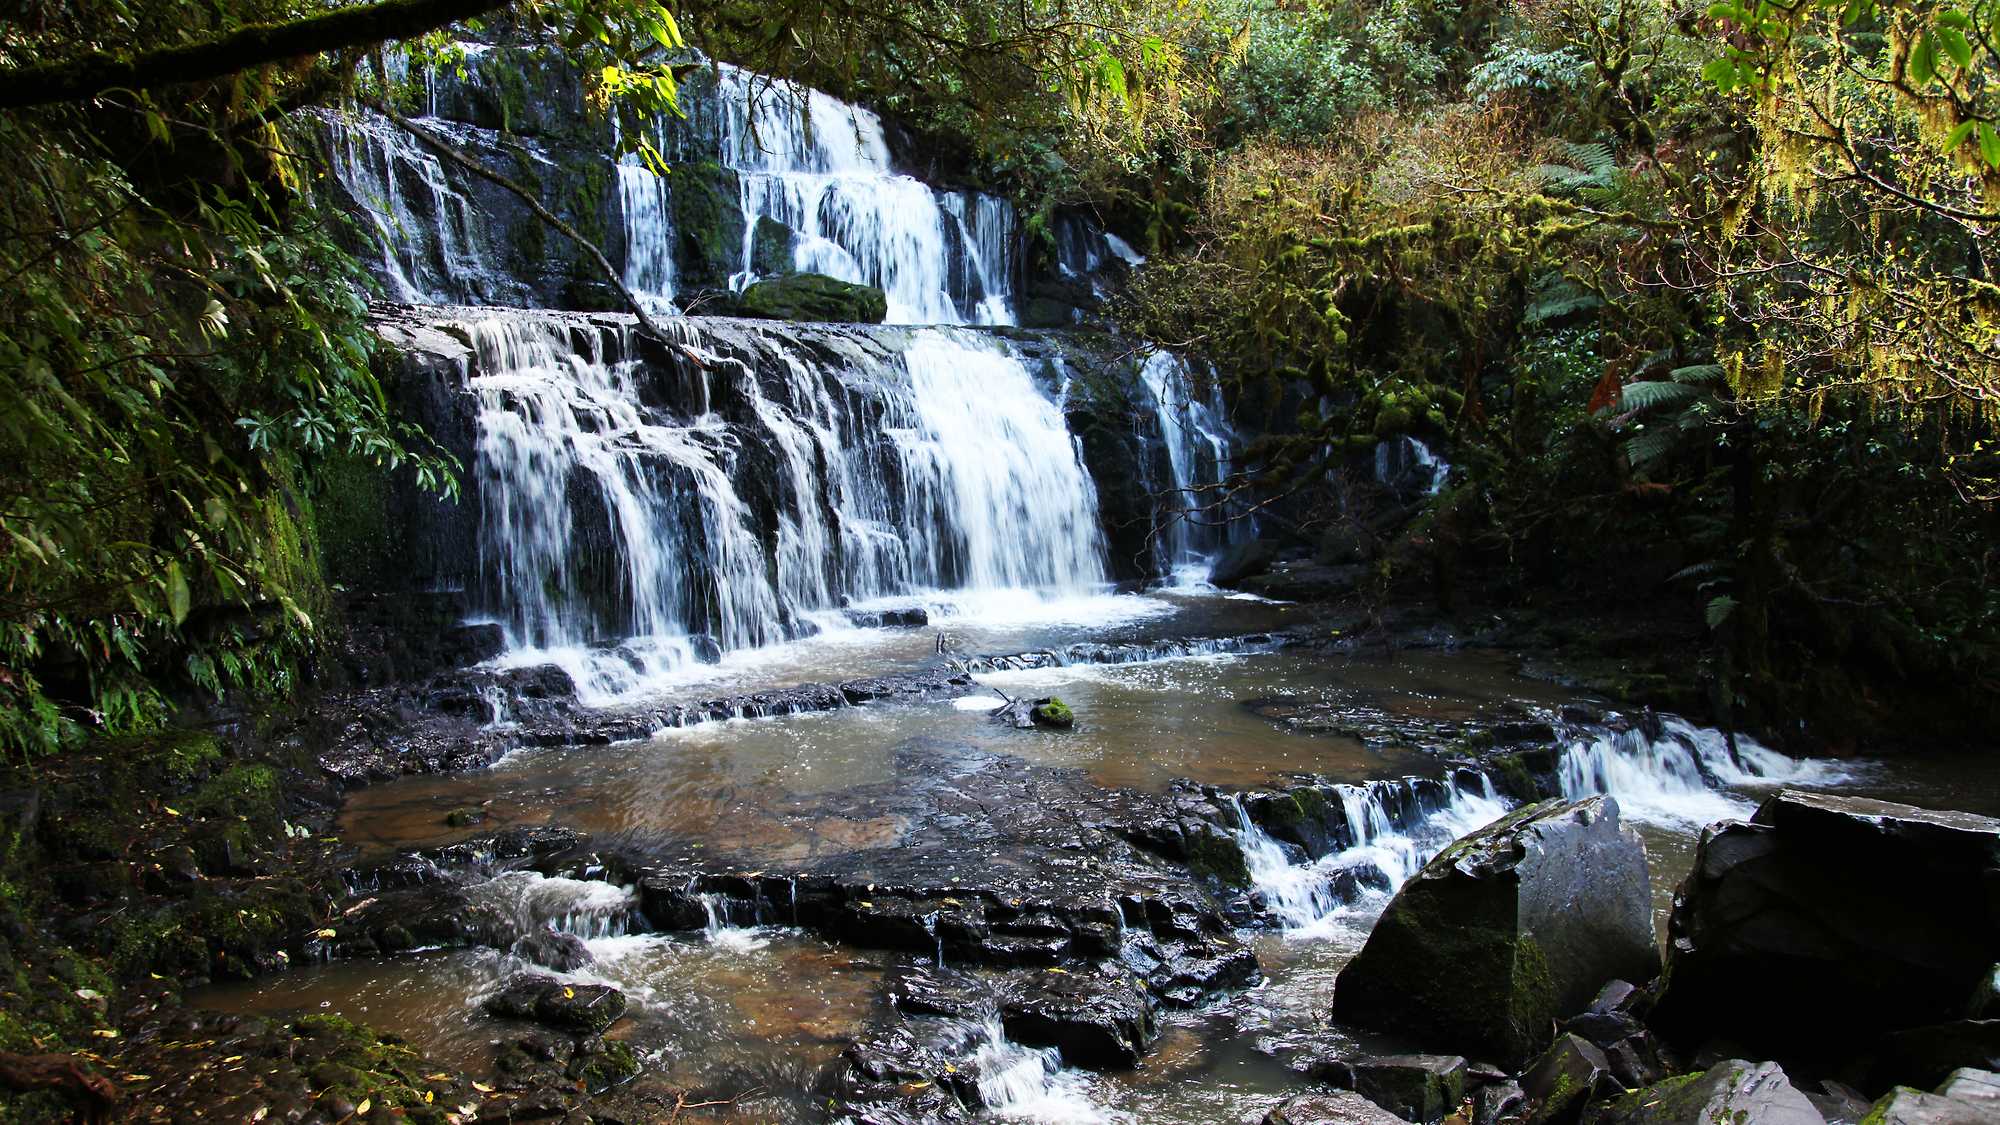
column 362, row 1109
column 105, row 1033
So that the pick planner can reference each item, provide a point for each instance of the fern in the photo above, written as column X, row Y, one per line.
column 1590, row 170
column 1557, row 299
column 1649, row 446
column 1649, row 395
column 1709, row 374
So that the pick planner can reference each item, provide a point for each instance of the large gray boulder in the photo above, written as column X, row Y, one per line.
column 1825, row 921
column 1506, row 931
column 1731, row 1091
column 1342, row 1107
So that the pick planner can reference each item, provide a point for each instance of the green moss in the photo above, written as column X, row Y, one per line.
column 708, row 222
column 351, row 517
column 1312, row 804
column 815, row 297
column 616, row 1062
column 1213, row 855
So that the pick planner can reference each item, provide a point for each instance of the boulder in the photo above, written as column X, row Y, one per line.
column 1101, row 1019
column 708, row 224
column 1826, row 919
column 553, row 949
column 770, row 247
column 1565, row 1078
column 1753, row 1093
column 583, row 1008
column 1417, row 1087
column 1499, row 1101
column 1244, row 560
column 1340, row 1108
column 1506, row 931
column 814, row 296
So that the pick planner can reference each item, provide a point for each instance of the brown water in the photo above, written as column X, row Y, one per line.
column 738, row 1008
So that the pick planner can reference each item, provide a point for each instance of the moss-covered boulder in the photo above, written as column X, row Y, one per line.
column 708, row 223
column 770, row 247
column 814, row 296
column 1053, row 712
column 1729, row 1091
column 1506, row 931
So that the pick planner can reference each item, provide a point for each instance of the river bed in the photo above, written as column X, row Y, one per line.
column 766, row 1007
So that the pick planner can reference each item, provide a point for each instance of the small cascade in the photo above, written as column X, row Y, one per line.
column 426, row 232
column 722, row 932
column 649, row 235
column 588, row 908
column 1018, row 1083
column 1393, row 828
column 1201, row 448
column 822, row 169
column 1678, row 774
column 1405, row 464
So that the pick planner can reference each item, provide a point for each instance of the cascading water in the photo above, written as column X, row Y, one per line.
column 623, row 540
column 425, row 231
column 1403, row 462
column 1018, row 1083
column 822, row 169
column 1394, row 829
column 1681, row 776
column 1200, row 446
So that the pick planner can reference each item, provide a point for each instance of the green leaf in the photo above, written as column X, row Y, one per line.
column 1989, row 144
column 1719, row 609
column 1956, row 46
column 177, row 592
column 1647, row 395
column 1923, row 60
column 1958, row 136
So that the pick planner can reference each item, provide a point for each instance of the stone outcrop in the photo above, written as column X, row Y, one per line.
column 1507, row 930
column 1825, row 922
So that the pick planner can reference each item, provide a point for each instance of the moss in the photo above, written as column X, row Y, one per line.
column 708, row 222
column 815, row 297
column 1312, row 804
column 616, row 1062
column 351, row 497
column 1053, row 712
column 1213, row 855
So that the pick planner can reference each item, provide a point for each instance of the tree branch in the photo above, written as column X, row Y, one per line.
column 460, row 160
column 254, row 45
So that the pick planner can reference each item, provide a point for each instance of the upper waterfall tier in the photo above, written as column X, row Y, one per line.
column 636, row 506
column 763, row 179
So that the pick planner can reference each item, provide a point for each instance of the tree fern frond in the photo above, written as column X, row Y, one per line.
column 1649, row 446
column 1656, row 393
column 1704, row 373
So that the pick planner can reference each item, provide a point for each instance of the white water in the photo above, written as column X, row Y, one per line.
column 649, row 235
column 421, row 259
column 588, row 908
column 1303, row 896
column 1673, row 780
column 1403, row 461
column 822, row 168
column 1200, row 446
column 1029, row 1084
column 614, row 531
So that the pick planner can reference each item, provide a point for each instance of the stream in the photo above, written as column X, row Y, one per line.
column 764, row 1007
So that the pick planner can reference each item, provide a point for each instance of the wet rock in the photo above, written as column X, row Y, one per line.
column 1244, row 560
column 1305, row 581
column 705, row 648
column 1418, row 1087
column 1826, row 919
column 586, row 1008
column 1507, row 930
column 928, row 990
column 1636, row 1061
column 1339, row 1108
column 908, row 617
column 552, row 949
column 814, row 297
column 1102, row 1019
column 465, row 817
column 1565, row 1078
column 1498, row 1102
column 1730, row 1091
column 901, row 1077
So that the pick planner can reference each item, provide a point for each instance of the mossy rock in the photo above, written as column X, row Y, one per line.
column 1053, row 712
column 708, row 223
column 815, row 297
column 1215, row 855
column 770, row 248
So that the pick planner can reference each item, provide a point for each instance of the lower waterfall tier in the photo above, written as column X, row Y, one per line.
column 658, row 503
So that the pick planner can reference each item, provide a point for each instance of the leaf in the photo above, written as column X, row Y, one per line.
column 1718, row 611
column 1923, row 60
column 1989, row 144
column 1656, row 393
column 1955, row 45
column 362, row 1109
column 177, row 592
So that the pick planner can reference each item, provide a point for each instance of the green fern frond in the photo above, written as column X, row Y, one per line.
column 1649, row 446
column 1557, row 299
column 1709, row 374
column 1657, row 393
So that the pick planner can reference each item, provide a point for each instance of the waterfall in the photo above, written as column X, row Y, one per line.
column 623, row 540
column 588, row 908
column 1394, row 828
column 425, row 232
column 1200, row 446
column 1403, row 462
column 649, row 235
column 1677, row 776
column 822, row 168
column 1018, row 1083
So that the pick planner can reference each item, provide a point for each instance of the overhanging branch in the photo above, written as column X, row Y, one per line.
column 242, row 49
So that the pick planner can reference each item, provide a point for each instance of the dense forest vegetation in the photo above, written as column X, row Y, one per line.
column 1701, row 299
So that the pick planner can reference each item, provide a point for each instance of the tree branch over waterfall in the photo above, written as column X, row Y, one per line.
column 466, row 163
column 244, row 48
